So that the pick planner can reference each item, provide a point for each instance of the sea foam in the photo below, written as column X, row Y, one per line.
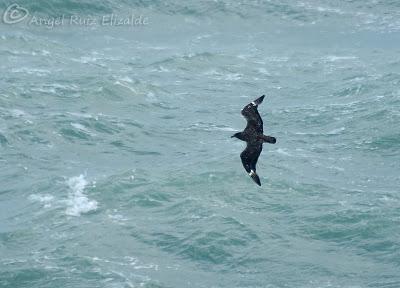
column 78, row 202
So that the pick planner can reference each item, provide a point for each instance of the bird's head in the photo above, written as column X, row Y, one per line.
column 236, row 135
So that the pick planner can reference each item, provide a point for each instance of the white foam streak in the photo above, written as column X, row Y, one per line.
column 78, row 202
column 46, row 199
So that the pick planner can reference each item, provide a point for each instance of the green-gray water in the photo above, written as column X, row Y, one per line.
column 117, row 166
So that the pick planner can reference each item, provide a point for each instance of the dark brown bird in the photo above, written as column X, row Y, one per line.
column 253, row 135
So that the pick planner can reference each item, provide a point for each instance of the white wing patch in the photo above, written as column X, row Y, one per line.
column 252, row 173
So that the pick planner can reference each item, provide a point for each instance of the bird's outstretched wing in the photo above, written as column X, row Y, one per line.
column 249, row 158
column 252, row 116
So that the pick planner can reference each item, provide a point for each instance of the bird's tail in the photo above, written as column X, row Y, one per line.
column 255, row 177
column 268, row 139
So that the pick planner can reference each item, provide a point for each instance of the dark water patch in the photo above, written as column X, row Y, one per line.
column 386, row 143
column 355, row 78
column 189, row 62
column 347, row 227
column 3, row 140
column 130, row 189
column 118, row 143
column 134, row 124
column 32, row 136
column 349, row 91
column 378, row 247
column 149, row 199
column 220, row 247
column 100, row 124
column 393, row 78
column 386, row 281
column 164, row 106
column 247, row 262
column 202, row 249
column 184, row 209
column 246, row 234
column 73, row 134
column 146, row 153
column 124, row 182
column 115, row 93
column 129, row 148
column 24, row 277
column 380, row 113
column 154, row 284
column 343, row 217
column 309, row 189
column 105, row 127
column 167, row 117
column 12, row 239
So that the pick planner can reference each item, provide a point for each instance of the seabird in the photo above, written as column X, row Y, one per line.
column 253, row 135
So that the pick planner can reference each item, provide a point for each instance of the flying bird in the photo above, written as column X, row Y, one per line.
column 253, row 135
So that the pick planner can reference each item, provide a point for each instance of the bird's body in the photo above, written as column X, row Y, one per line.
column 254, row 137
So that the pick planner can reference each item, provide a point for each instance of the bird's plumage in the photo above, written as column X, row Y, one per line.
column 253, row 135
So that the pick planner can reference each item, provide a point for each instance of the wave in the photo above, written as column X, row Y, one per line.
column 360, row 15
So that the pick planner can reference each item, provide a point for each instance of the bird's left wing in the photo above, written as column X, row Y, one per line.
column 249, row 158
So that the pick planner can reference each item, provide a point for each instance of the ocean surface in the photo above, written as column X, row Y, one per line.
column 116, row 164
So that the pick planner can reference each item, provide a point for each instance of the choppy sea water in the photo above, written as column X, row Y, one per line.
column 117, row 166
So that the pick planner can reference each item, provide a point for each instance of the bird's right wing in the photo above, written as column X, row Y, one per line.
column 252, row 116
